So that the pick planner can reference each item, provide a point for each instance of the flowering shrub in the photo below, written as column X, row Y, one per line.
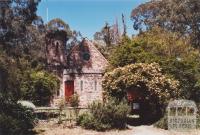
column 146, row 78
column 147, row 86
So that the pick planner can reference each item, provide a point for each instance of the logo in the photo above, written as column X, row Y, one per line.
column 182, row 115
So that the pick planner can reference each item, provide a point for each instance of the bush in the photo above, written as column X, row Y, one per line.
column 162, row 123
column 101, row 117
column 88, row 121
column 146, row 84
column 83, row 119
column 74, row 100
column 148, row 79
column 15, row 119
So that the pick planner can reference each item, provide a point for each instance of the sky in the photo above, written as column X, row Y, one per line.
column 89, row 16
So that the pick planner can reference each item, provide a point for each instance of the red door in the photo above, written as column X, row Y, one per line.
column 69, row 89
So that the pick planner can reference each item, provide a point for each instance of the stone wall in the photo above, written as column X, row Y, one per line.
column 88, row 82
column 88, row 87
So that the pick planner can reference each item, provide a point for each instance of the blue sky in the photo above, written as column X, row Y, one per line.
column 89, row 16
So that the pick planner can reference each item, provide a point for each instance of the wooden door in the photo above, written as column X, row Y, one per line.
column 69, row 89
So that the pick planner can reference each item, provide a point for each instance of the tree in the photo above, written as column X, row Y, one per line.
column 15, row 15
column 109, row 34
column 176, row 57
column 59, row 25
column 172, row 53
column 105, row 34
column 39, row 87
column 175, row 15
column 14, row 119
column 9, row 78
column 20, row 39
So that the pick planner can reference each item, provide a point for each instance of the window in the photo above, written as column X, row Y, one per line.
column 95, row 85
column 86, row 56
column 58, row 93
column 57, row 45
column 81, row 85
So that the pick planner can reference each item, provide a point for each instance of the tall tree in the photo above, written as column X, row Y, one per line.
column 124, row 25
column 109, row 34
column 16, row 30
column 58, row 25
column 104, row 35
column 181, row 16
column 174, row 55
column 15, row 15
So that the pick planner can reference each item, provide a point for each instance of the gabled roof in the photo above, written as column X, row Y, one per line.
column 85, row 58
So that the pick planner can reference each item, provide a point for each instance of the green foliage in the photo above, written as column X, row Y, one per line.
column 59, row 25
column 145, row 78
column 180, row 16
column 129, row 52
column 101, row 117
column 16, row 15
column 74, row 100
column 15, row 119
column 162, row 123
column 39, row 87
column 10, row 77
column 155, row 45
column 87, row 121
column 172, row 53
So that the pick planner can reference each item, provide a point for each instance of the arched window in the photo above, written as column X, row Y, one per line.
column 57, row 44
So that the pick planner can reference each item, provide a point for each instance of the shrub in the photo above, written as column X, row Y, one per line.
column 153, row 88
column 15, row 119
column 101, row 117
column 88, row 121
column 146, row 78
column 162, row 123
column 74, row 100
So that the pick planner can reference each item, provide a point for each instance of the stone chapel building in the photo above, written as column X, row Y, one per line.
column 80, row 69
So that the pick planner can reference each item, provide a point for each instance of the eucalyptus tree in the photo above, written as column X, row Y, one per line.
column 181, row 16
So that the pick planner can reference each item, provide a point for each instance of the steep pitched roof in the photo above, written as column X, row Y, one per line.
column 85, row 58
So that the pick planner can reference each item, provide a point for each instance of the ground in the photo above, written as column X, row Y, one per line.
column 51, row 128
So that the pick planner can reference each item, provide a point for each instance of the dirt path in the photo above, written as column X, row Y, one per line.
column 150, row 130
column 54, row 129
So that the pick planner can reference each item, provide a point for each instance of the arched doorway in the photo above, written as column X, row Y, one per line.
column 143, row 105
